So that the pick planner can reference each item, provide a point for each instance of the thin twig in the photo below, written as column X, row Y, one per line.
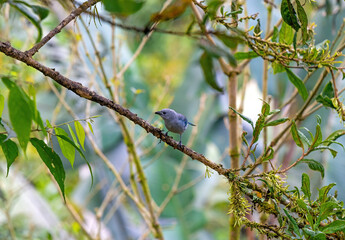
column 75, row 13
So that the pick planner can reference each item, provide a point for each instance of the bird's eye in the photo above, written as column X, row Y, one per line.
column 164, row 112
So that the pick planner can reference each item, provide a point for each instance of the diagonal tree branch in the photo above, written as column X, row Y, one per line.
column 75, row 13
column 84, row 92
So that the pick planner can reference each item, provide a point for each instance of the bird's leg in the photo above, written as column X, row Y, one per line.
column 166, row 134
column 180, row 143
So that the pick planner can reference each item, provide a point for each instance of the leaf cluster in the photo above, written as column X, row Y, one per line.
column 22, row 114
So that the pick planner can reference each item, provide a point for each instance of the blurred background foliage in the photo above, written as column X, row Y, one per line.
column 165, row 74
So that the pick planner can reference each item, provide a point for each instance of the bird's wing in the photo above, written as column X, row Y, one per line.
column 182, row 118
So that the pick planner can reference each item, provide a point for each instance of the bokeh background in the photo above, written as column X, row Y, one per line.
column 166, row 73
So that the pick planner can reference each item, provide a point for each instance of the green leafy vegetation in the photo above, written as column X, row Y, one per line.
column 265, row 95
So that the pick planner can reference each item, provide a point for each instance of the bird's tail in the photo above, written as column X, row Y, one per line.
column 192, row 124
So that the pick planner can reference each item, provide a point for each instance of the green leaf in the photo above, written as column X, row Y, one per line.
column 311, row 135
column 327, row 143
column 23, row 9
column 328, row 90
column 280, row 218
column 206, row 63
column 306, row 185
column 245, row 55
column 260, row 122
column 257, row 29
column 66, row 138
column 213, row 6
column 303, row 138
column 36, row 116
column 286, row 34
column 314, row 235
column 295, row 134
column 259, row 125
column 80, row 133
column 275, row 34
column 243, row 117
column 314, row 165
column 274, row 111
column 303, row 205
column 73, row 136
column 325, row 101
column 333, row 152
column 289, row 14
column 269, row 155
column 67, row 148
column 52, row 161
column 318, row 119
column 2, row 104
column 270, row 188
column 319, row 236
column 217, row 52
column 302, row 16
column 318, row 137
column 323, row 192
column 49, row 124
column 277, row 67
column 326, row 210
column 90, row 126
column 123, row 7
column 265, row 109
column 9, row 149
column 294, row 41
column 293, row 223
column 335, row 226
column 276, row 122
column 20, row 112
column 334, row 136
column 40, row 11
column 325, row 97
column 39, row 121
column 298, row 83
column 229, row 40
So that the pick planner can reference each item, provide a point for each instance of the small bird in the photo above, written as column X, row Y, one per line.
column 174, row 122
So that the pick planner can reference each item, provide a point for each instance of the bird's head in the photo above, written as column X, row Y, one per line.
column 166, row 113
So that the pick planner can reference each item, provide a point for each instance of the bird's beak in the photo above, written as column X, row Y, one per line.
column 159, row 113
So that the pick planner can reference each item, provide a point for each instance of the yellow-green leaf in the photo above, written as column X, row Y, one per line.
column 90, row 126
column 2, row 104
column 80, row 133
column 73, row 135
column 286, row 34
column 67, row 148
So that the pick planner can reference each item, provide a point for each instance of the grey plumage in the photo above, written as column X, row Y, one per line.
column 174, row 122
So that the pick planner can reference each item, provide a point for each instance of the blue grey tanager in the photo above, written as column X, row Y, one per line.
column 174, row 122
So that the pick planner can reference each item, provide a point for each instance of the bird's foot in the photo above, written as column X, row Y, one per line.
column 180, row 144
column 166, row 134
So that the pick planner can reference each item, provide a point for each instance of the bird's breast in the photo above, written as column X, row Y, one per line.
column 175, row 126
